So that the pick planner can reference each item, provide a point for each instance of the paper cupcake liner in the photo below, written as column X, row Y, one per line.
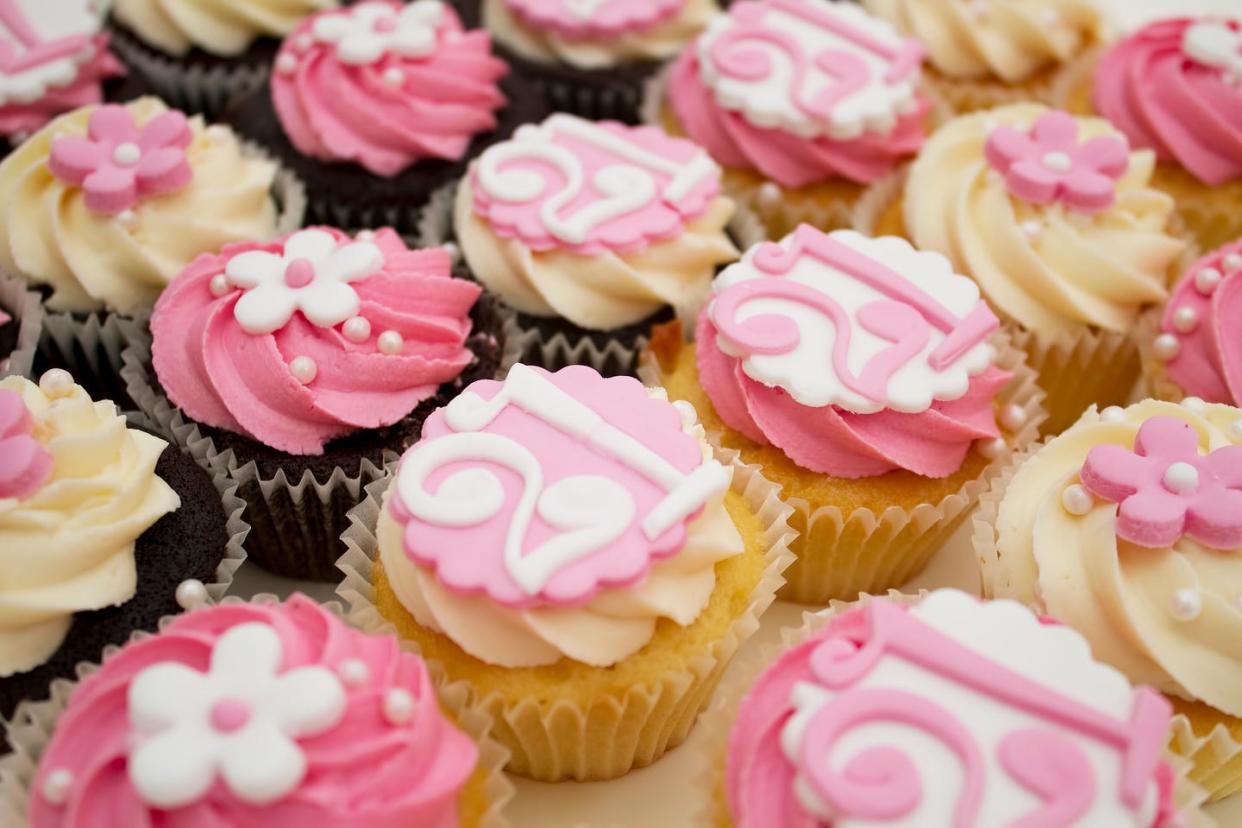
column 718, row 721
column 612, row 94
column 1209, row 212
column 26, row 308
column 31, row 730
column 963, row 96
column 875, row 210
column 1071, row 90
column 839, row 556
column 613, row 734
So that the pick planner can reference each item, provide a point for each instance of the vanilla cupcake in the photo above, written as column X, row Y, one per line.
column 21, row 326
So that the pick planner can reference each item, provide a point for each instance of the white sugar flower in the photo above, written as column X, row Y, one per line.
column 366, row 32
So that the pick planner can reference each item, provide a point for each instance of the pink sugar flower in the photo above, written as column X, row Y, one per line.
column 1048, row 164
column 1167, row 489
column 117, row 164
column 24, row 463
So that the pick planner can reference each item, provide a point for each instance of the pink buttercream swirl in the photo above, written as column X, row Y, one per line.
column 364, row 771
column 85, row 89
column 795, row 717
column 593, row 19
column 1204, row 316
column 1162, row 98
column 386, row 106
column 547, row 488
column 592, row 187
column 371, row 349
column 24, row 463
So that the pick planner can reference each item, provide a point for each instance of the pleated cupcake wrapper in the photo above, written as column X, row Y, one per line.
column 612, row 356
column 613, row 734
column 718, row 721
column 1210, row 212
column 33, row 724
column 840, row 556
column 871, row 207
column 598, row 95
column 26, row 308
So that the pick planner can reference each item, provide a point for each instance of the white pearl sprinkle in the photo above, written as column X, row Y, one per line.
column 391, row 343
column 191, row 594
column 453, row 251
column 1181, row 478
column 1207, row 279
column 218, row 134
column 992, row 449
column 56, row 383
column 286, row 63
column 1194, row 404
column 1012, row 417
column 1077, row 500
column 769, row 194
column 1185, row 605
column 127, row 219
column 1166, row 347
column 398, row 706
column 303, row 369
column 353, row 672
column 1057, row 162
column 1233, row 262
column 127, row 154
column 357, row 329
column 1235, row 429
column 57, row 785
column 1113, row 414
column 394, row 76
column 1032, row 227
column 219, row 285
column 365, row 236
column 303, row 42
column 1185, row 319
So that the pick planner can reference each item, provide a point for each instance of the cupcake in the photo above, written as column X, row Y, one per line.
column 594, row 59
column 1128, row 528
column 21, row 324
column 1061, row 224
column 944, row 710
column 1175, row 87
column 566, row 546
column 884, row 440
column 983, row 54
column 589, row 233
column 798, row 146
column 103, row 206
column 308, row 362
column 256, row 714
column 198, row 56
column 378, row 105
column 104, row 529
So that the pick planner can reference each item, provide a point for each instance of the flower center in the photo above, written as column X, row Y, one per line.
column 385, row 24
column 126, row 154
column 299, row 273
column 1057, row 162
column 229, row 715
column 1181, row 478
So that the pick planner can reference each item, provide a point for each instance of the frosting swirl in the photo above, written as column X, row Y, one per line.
column 1164, row 615
column 384, row 85
column 612, row 32
column 92, row 260
column 1172, row 87
column 754, row 91
column 854, row 356
column 1042, row 261
column 596, row 510
column 372, row 748
column 220, row 27
column 945, row 713
column 1010, row 40
column 312, row 336
column 68, row 545
column 1201, row 323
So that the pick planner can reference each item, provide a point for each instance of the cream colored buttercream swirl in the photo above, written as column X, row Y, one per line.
column 603, row 291
column 1007, row 39
column 94, row 261
column 220, row 27
column 1048, row 268
column 1118, row 594
column 658, row 42
column 69, row 546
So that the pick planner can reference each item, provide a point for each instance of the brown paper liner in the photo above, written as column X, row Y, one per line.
column 555, row 739
column 482, row 801
column 26, row 308
column 718, row 721
column 853, row 535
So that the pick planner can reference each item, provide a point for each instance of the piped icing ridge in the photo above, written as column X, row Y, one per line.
column 1175, row 87
column 385, row 85
column 248, row 714
column 1199, row 337
column 56, row 60
column 1126, row 527
column 801, row 91
column 222, row 27
column 313, row 336
column 556, row 515
column 855, row 356
column 1058, row 224
column 105, row 205
column 598, row 223
column 1007, row 40
column 947, row 713
column 79, row 487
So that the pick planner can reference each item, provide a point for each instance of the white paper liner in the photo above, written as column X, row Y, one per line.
column 26, row 308
column 718, row 721
column 651, row 719
column 32, row 726
column 840, row 556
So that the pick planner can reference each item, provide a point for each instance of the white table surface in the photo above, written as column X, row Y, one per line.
column 665, row 795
